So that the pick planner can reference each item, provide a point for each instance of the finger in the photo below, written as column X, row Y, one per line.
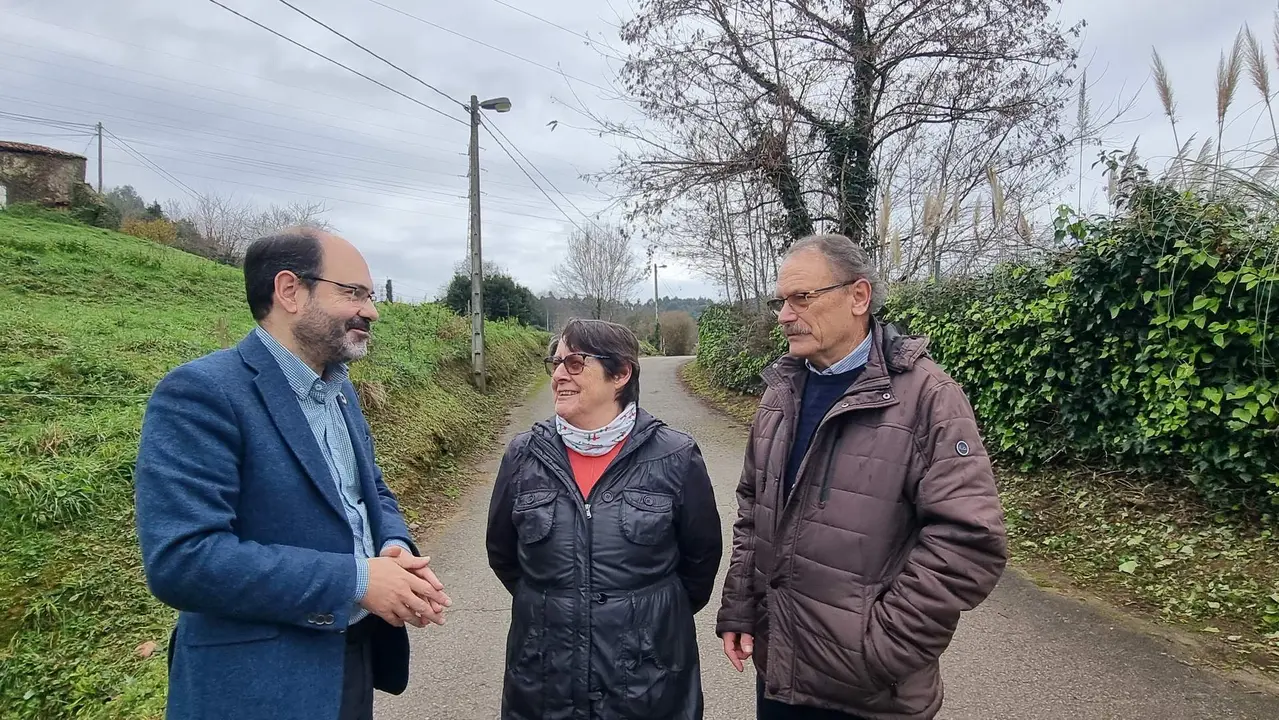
column 411, row 562
column 392, row 551
column 423, row 589
column 428, row 575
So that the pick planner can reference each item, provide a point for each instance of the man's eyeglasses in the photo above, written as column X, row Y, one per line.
column 357, row 293
column 574, row 363
column 801, row 300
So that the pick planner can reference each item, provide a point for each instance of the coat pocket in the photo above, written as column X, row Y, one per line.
column 534, row 515
column 208, row 631
column 647, row 517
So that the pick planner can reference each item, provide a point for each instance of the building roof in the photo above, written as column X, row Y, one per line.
column 37, row 150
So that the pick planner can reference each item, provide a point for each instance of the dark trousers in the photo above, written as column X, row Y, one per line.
column 773, row 710
column 357, row 675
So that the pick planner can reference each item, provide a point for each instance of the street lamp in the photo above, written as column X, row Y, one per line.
column 498, row 104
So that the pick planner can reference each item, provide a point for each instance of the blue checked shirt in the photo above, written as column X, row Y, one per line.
column 318, row 398
column 857, row 358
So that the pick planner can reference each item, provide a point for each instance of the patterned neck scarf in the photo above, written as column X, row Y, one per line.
column 594, row 443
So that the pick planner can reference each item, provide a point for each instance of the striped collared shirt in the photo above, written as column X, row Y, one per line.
column 320, row 399
column 857, row 358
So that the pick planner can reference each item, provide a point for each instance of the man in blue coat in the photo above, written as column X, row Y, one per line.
column 262, row 515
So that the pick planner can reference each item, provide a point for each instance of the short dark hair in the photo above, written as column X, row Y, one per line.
column 297, row 251
column 616, row 342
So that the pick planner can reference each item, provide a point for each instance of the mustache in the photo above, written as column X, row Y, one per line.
column 358, row 323
column 794, row 328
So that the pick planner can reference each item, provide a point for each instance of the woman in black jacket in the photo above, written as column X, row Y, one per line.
column 603, row 527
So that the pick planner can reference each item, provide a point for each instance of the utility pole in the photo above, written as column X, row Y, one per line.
column 477, row 267
column 389, row 297
column 99, row 158
column 657, row 317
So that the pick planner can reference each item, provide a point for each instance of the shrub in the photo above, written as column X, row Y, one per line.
column 1151, row 346
column 734, row 346
column 679, row 332
column 162, row 232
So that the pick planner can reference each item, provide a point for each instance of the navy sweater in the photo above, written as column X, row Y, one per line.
column 820, row 393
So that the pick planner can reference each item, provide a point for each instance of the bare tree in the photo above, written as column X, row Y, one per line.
column 880, row 119
column 599, row 266
column 227, row 225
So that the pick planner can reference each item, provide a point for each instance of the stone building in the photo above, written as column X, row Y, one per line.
column 33, row 173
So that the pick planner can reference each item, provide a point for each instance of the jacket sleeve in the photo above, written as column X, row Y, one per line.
column 737, row 606
column 501, row 538
column 700, row 544
column 187, row 485
column 962, row 547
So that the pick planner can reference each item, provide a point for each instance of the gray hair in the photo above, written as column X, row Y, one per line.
column 848, row 260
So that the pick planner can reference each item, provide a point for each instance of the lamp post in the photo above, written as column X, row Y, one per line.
column 478, row 369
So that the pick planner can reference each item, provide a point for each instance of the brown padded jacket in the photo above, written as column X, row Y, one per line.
column 853, row 586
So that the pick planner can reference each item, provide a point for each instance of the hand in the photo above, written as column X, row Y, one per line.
column 738, row 648
column 397, row 595
column 421, row 568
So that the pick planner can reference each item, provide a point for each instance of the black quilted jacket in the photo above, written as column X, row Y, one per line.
column 604, row 587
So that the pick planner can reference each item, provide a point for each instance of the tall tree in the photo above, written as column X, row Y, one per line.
column 823, row 111
column 600, row 266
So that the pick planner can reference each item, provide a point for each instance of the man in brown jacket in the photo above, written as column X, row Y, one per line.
column 867, row 511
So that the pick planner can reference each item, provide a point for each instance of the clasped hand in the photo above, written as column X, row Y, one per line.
column 403, row 589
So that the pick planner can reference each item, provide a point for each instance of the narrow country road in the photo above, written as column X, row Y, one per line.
column 1025, row 654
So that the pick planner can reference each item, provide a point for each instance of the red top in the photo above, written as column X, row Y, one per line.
column 587, row 469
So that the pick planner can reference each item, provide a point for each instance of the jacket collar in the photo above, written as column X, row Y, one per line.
column 891, row 353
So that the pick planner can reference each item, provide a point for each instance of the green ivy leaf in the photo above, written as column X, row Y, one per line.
column 1129, row 567
column 1219, row 340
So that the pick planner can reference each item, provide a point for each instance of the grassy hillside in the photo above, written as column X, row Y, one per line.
column 89, row 321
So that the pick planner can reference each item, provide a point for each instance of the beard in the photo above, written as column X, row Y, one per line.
column 325, row 337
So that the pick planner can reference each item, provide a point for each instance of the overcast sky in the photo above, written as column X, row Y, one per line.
column 224, row 106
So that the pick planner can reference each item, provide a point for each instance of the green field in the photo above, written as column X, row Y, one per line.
column 90, row 320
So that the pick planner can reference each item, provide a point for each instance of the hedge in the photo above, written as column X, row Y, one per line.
column 1149, row 346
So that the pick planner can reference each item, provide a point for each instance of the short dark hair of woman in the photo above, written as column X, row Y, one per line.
column 616, row 343
column 297, row 251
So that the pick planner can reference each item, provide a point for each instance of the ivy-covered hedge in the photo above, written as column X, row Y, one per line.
column 1150, row 346
column 734, row 346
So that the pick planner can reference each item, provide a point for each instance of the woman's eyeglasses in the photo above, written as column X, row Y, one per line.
column 574, row 363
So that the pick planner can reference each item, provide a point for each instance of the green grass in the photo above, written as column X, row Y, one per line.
column 1153, row 548
column 89, row 321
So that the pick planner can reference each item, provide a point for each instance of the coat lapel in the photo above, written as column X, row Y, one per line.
column 282, row 404
column 364, row 463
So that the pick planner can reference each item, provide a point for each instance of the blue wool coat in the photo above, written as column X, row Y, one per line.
column 243, row 531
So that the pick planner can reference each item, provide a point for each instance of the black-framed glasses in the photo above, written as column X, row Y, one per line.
column 358, row 293
column 801, row 300
column 574, row 363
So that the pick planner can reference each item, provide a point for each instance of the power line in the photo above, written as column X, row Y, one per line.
column 163, row 173
column 199, row 61
column 339, row 64
column 530, row 179
column 419, row 80
column 293, row 118
column 487, row 45
column 492, row 126
column 539, row 18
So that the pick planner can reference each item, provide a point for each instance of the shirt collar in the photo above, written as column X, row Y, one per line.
column 304, row 381
column 857, row 358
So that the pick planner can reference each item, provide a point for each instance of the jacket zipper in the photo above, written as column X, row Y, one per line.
column 542, row 451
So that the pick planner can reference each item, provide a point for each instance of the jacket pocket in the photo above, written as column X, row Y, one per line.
column 534, row 515
column 208, row 631
column 647, row 517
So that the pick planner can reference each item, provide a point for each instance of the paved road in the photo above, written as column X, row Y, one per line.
column 1023, row 655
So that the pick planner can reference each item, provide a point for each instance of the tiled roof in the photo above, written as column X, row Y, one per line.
column 37, row 150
